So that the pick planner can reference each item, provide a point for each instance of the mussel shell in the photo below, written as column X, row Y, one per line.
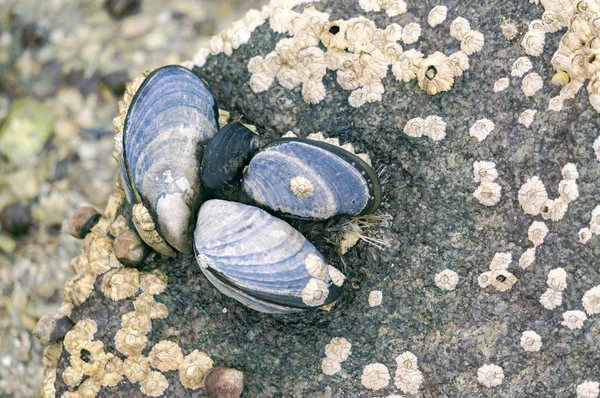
column 225, row 158
column 339, row 182
column 171, row 118
column 259, row 259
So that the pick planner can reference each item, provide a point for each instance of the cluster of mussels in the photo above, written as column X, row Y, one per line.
column 193, row 186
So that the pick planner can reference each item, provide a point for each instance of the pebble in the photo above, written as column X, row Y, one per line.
column 136, row 26
column 120, row 8
column 16, row 219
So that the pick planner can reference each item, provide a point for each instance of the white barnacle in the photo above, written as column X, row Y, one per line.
column 370, row 5
column 526, row 117
column 330, row 366
column 574, row 319
column 531, row 341
column 481, row 129
column 537, row 232
column 411, row 33
column 532, row 83
column 533, row 42
column 557, row 279
column 521, row 66
column 437, row 15
column 551, row 299
column 532, row 196
column 301, row 187
column 588, row 389
column 501, row 84
column 484, row 171
column 315, row 266
column 527, row 258
column 414, row 127
column 488, row 193
column 485, row 279
column 333, row 35
column 568, row 191
column 556, row 104
column 446, row 280
column 596, row 148
column 281, row 19
column 435, row 74
column 375, row 376
column 409, row 381
column 509, row 30
column 459, row 28
column 569, row 172
column 336, row 276
column 375, row 298
column 459, row 62
column 407, row 361
column 315, row 292
column 591, row 301
column 408, row 65
column 360, row 33
column 260, row 82
column 490, row 375
column 584, row 235
column 395, row 7
column 554, row 209
column 313, row 91
column 595, row 222
column 472, row 42
column 435, row 128
column 502, row 280
column 338, row 349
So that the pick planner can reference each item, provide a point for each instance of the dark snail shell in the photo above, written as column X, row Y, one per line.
column 171, row 118
column 225, row 158
column 261, row 260
column 310, row 179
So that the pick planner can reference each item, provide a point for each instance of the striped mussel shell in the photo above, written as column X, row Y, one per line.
column 311, row 178
column 169, row 122
column 260, row 260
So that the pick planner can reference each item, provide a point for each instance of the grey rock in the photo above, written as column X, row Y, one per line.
column 52, row 327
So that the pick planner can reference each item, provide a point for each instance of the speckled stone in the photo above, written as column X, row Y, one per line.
column 437, row 224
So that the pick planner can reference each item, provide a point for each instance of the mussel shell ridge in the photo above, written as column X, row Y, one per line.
column 171, row 118
column 311, row 180
column 260, row 260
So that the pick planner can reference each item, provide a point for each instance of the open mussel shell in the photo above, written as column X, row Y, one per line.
column 171, row 118
column 260, row 260
column 225, row 158
column 310, row 179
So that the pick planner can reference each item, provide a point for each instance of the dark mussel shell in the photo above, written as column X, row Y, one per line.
column 171, row 118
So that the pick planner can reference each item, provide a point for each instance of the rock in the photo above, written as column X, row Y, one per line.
column 224, row 383
column 16, row 219
column 82, row 221
column 7, row 244
column 25, row 131
column 52, row 327
column 130, row 249
column 136, row 26
column 120, row 8
column 34, row 35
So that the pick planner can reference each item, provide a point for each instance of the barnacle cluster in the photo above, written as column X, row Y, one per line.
column 585, row 234
column 489, row 192
column 336, row 352
column 557, row 283
column 408, row 376
column 432, row 126
column 498, row 275
column 574, row 319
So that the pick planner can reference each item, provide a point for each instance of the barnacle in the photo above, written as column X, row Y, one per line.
column 584, row 235
column 485, row 279
column 435, row 74
column 333, row 35
column 595, row 222
column 407, row 361
column 556, row 104
column 557, row 279
column 375, row 298
column 369, row 5
column 409, row 381
column 338, row 349
column 531, row 341
column 411, row 33
column 472, row 42
column 591, row 301
column 136, row 322
column 554, row 209
column 459, row 62
column 93, row 362
column 526, row 117
column 146, row 304
column 484, row 171
column 89, row 388
column 459, row 28
column 313, row 91
column 502, row 280
column 135, row 368
column 111, row 372
column 521, row 66
column 375, row 376
column 596, row 148
column 165, row 356
column 437, row 15
column 537, row 232
column 501, row 84
column 481, row 129
column 568, row 190
column 574, row 319
column 302, row 187
column 367, row 93
column 194, row 368
column 488, row 193
column 72, row 376
column 154, row 384
column 337, row 277
column 533, row 42
column 500, row 261
column 359, row 33
column 330, row 366
column 569, row 172
column 79, row 288
column 446, row 280
column 129, row 342
column 315, row 293
column 394, row 7
column 588, row 389
column 120, row 283
column 408, row 65
column 551, row 299
column 153, row 282
column 435, row 128
column 490, row 375
column 527, row 258
column 532, row 83
column 414, row 127
column 532, row 196
column 509, row 29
